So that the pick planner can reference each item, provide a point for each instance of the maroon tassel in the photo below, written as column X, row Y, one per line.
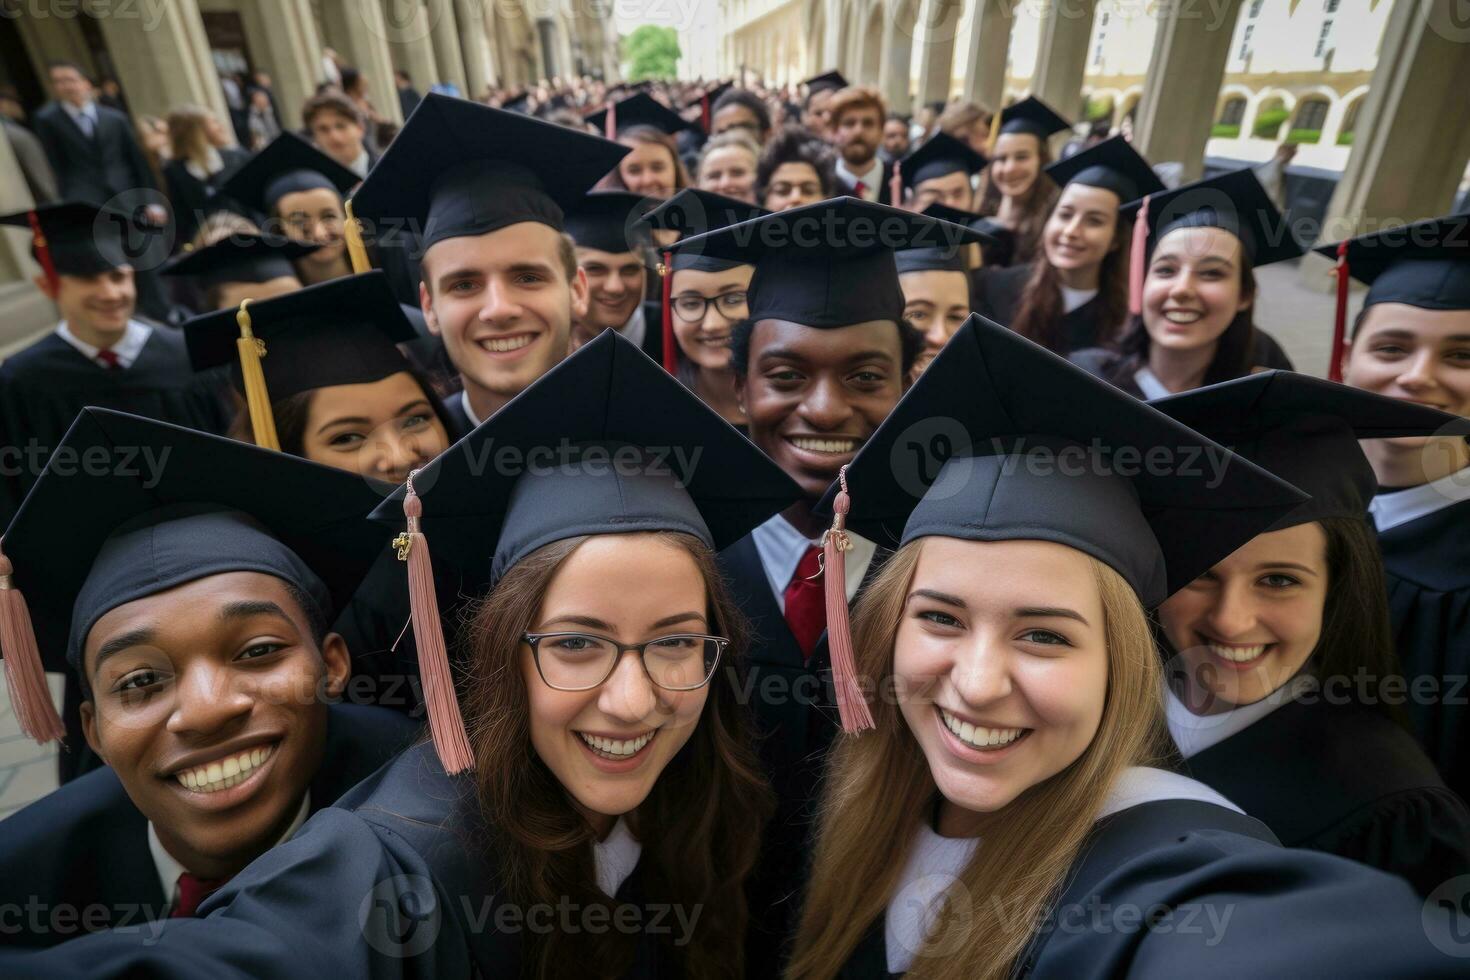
column 24, row 674
column 43, row 250
column 704, row 112
column 1339, row 320
column 1137, row 257
column 671, row 350
column 852, row 706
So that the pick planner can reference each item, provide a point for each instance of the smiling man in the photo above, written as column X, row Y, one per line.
column 486, row 191
column 610, row 241
column 855, row 120
column 191, row 602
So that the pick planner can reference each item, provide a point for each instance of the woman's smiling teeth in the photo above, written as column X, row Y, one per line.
column 1182, row 316
column 835, row 446
column 501, row 345
column 224, row 773
column 616, row 748
column 1238, row 654
column 980, row 737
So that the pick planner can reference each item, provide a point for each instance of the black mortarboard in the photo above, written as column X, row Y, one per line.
column 827, row 81
column 1424, row 263
column 828, row 264
column 458, row 168
column 288, row 165
column 608, row 443
column 942, row 259
column 640, row 109
column 1235, row 202
column 240, row 257
column 340, row 332
column 521, row 103
column 1306, row 430
column 609, row 221
column 710, row 95
column 1113, row 165
column 79, row 239
column 1017, row 443
column 169, row 505
column 939, row 156
column 1033, row 116
column 695, row 212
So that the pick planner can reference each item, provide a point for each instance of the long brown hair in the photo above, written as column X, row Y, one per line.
column 1039, row 315
column 648, row 134
column 1035, row 205
column 879, row 788
column 700, row 825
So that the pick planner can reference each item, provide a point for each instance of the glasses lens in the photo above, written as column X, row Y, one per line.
column 732, row 304
column 681, row 663
column 573, row 661
column 689, row 308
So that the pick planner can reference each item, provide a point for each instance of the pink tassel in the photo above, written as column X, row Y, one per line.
column 852, row 706
column 24, row 674
column 1137, row 257
column 610, row 122
column 1339, row 319
column 446, row 724
column 895, row 188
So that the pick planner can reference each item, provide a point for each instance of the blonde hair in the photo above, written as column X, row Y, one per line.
column 187, row 137
column 879, row 787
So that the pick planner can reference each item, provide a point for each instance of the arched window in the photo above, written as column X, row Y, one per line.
column 1233, row 111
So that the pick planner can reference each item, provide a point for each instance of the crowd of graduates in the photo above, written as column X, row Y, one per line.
column 692, row 530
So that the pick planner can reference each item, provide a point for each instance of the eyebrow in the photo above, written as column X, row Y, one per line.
column 1025, row 612
column 1399, row 333
column 591, row 622
column 1220, row 259
column 360, row 420
column 1286, row 564
column 143, row 636
column 786, row 354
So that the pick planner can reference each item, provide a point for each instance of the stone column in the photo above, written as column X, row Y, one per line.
column 1182, row 86
column 284, row 42
column 479, row 59
column 832, row 35
column 410, row 45
column 936, row 58
column 990, row 44
column 445, row 27
column 162, row 59
column 546, row 33
column 49, row 39
column 900, row 20
column 357, row 31
column 24, row 310
column 1061, row 56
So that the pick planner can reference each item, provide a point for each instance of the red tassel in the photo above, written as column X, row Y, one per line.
column 1137, row 257
column 852, row 706
column 24, row 675
column 610, row 123
column 895, row 188
column 704, row 111
column 1339, row 322
column 671, row 349
column 43, row 250
column 446, row 724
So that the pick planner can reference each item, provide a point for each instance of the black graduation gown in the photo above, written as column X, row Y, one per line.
column 44, row 386
column 999, row 298
column 653, row 329
column 1428, row 566
column 1001, row 252
column 459, row 420
column 387, row 883
column 84, row 847
column 1228, row 901
column 1345, row 779
column 1113, row 367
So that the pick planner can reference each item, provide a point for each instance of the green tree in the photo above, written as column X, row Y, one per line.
column 651, row 52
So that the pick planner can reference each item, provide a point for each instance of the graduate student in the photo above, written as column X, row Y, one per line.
column 100, row 353
column 941, row 171
column 1002, row 816
column 820, row 361
column 936, row 283
column 488, row 190
column 652, row 167
column 1016, row 194
column 241, row 265
column 187, row 583
column 1191, row 323
column 609, row 773
column 1412, row 341
column 612, row 252
column 1285, row 692
column 1074, row 294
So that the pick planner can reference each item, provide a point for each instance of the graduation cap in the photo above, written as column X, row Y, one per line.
column 1033, row 116
column 340, row 332
column 1112, row 165
column 289, row 165
column 240, row 257
column 939, row 156
column 1306, row 430
column 707, row 98
column 639, row 109
column 521, row 103
column 941, row 259
column 160, row 506
column 829, row 81
column 1424, row 264
column 73, row 238
column 828, row 264
column 458, row 168
column 609, row 221
column 630, row 450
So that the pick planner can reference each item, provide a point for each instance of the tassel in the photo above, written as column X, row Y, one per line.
column 24, row 675
column 704, row 112
column 1137, row 259
column 1339, row 320
column 610, row 123
column 895, row 188
column 446, row 724
column 43, row 250
column 356, row 251
column 257, row 398
column 852, row 706
column 671, row 349
column 994, row 132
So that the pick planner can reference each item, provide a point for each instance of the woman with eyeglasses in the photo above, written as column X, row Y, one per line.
column 595, row 806
column 708, row 297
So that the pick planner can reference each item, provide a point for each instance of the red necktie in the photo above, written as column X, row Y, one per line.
column 806, row 607
column 108, row 359
column 193, row 890
column 860, row 189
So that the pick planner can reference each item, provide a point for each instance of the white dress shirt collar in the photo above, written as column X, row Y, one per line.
column 1194, row 733
column 637, row 326
column 360, row 165
column 781, row 546
column 169, row 868
column 128, row 349
column 1397, row 507
column 616, row 858
column 1149, row 384
column 1073, row 298
column 872, row 180
column 469, row 410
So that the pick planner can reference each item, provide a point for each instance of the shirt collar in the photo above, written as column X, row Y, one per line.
column 1149, row 384
column 781, row 546
column 616, row 858
column 360, row 165
column 469, row 410
column 1073, row 298
column 1389, row 510
column 1194, row 733
column 88, row 109
column 169, row 868
column 128, row 349
column 636, row 327
column 872, row 180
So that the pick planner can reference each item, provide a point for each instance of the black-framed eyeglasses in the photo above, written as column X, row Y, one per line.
column 691, row 307
column 582, row 661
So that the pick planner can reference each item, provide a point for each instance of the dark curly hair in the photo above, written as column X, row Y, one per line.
column 746, row 100
column 796, row 144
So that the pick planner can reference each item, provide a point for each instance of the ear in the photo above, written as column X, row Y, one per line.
column 737, row 384
column 579, row 294
column 338, row 663
column 89, row 729
column 51, row 290
column 426, row 304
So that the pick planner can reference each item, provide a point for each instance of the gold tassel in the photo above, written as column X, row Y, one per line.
column 257, row 398
column 356, row 251
column 994, row 131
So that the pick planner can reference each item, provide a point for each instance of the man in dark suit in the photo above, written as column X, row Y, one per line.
column 856, row 116
column 91, row 146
